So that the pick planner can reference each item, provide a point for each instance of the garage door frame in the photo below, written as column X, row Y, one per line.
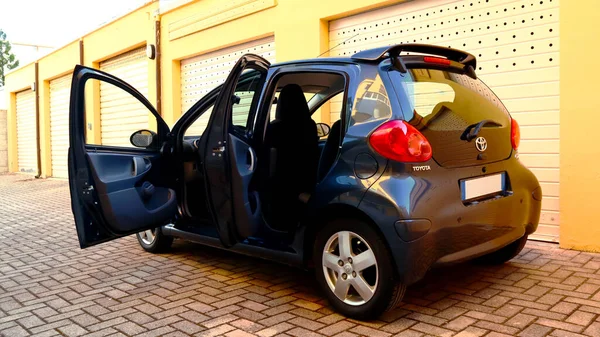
column 58, row 106
column 27, row 131
column 117, row 125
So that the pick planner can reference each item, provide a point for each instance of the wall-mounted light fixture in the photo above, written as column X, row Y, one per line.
column 151, row 51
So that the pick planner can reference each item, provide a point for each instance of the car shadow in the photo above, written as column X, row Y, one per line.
column 439, row 289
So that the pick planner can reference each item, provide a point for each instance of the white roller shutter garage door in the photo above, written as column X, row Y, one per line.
column 60, row 90
column 26, row 132
column 120, row 113
column 201, row 74
column 516, row 43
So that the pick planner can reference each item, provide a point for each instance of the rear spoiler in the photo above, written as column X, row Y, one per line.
column 376, row 55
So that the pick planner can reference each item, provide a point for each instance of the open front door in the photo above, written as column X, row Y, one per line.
column 118, row 179
column 229, row 159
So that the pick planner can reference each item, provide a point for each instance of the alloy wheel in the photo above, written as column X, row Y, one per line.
column 148, row 236
column 350, row 268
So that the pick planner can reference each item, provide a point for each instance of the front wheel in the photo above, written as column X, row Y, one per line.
column 154, row 241
column 355, row 269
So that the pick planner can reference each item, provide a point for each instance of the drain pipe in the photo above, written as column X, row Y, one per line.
column 81, row 52
column 158, row 67
column 37, row 122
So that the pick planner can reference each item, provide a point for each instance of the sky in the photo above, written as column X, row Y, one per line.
column 57, row 22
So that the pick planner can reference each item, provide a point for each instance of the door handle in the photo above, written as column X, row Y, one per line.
column 140, row 166
column 251, row 159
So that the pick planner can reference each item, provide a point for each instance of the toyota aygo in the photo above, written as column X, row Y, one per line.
column 370, row 169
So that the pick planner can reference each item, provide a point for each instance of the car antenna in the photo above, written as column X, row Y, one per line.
column 351, row 37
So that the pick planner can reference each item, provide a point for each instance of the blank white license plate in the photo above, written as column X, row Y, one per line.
column 479, row 187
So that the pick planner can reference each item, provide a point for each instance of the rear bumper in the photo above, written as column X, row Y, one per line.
column 425, row 222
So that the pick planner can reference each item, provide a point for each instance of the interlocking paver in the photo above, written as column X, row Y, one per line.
column 72, row 330
column 187, row 327
column 275, row 329
column 50, row 287
column 535, row 330
column 15, row 331
column 460, row 323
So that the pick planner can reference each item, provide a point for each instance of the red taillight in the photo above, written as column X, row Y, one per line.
column 400, row 141
column 436, row 60
column 515, row 134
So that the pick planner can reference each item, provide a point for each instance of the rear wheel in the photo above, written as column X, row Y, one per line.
column 355, row 269
column 154, row 241
column 505, row 254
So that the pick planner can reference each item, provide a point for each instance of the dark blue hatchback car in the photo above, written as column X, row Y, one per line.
column 371, row 169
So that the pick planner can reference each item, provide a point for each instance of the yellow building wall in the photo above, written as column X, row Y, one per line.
column 56, row 64
column 579, row 125
column 16, row 81
column 131, row 31
column 300, row 28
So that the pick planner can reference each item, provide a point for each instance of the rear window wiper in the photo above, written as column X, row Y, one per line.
column 472, row 131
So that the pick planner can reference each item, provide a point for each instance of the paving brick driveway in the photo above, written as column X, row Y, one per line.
column 48, row 286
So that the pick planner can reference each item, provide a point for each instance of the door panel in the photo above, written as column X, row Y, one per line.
column 246, row 202
column 116, row 191
column 229, row 160
column 127, row 197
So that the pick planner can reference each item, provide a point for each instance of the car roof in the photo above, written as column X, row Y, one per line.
column 376, row 55
column 320, row 60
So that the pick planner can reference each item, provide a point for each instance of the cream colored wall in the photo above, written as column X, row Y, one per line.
column 579, row 125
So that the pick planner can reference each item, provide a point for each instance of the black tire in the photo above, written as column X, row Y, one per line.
column 388, row 292
column 504, row 254
column 160, row 244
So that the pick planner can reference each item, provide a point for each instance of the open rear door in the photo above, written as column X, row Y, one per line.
column 229, row 159
column 118, row 180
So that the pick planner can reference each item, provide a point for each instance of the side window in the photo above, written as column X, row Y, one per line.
column 196, row 129
column 245, row 97
column 241, row 109
column 329, row 113
column 115, row 115
column 323, row 92
column 372, row 101
column 335, row 107
column 273, row 111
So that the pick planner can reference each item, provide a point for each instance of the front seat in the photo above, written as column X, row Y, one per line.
column 293, row 142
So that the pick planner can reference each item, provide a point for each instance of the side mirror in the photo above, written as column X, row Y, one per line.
column 142, row 138
column 322, row 129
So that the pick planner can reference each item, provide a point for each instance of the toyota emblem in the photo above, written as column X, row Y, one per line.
column 481, row 144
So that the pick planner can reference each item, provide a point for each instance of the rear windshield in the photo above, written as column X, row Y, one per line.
column 427, row 93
